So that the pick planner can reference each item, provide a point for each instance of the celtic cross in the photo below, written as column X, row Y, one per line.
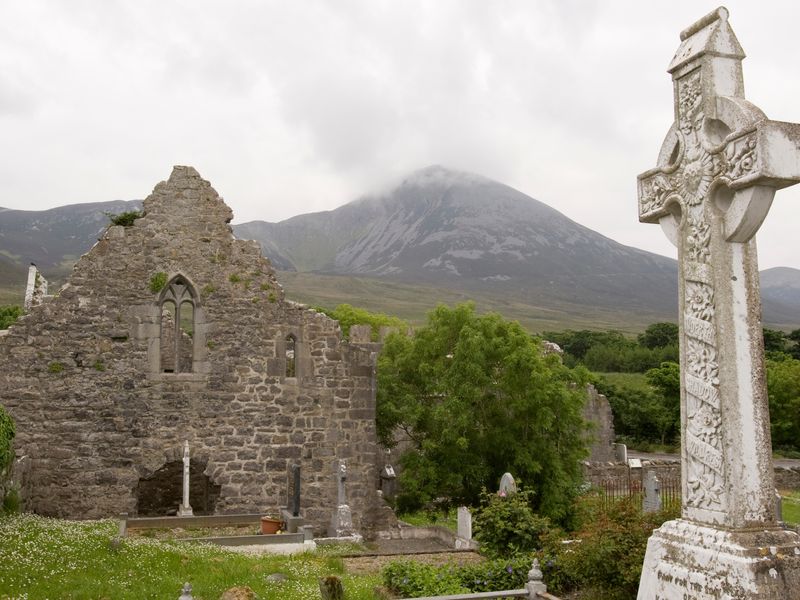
column 717, row 173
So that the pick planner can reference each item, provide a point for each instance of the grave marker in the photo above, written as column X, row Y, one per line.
column 717, row 172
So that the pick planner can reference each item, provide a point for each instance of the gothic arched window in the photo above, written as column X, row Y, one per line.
column 177, row 327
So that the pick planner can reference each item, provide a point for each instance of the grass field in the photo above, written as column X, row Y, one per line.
column 791, row 508
column 49, row 558
column 535, row 311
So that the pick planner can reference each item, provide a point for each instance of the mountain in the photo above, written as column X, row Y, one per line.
column 437, row 235
column 459, row 230
column 54, row 239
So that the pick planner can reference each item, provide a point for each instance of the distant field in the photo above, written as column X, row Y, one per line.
column 413, row 302
column 635, row 381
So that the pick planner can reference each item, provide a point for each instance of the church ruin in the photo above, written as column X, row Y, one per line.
column 169, row 330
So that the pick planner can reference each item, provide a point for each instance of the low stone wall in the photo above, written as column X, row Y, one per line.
column 787, row 478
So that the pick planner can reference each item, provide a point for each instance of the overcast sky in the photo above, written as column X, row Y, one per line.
column 290, row 107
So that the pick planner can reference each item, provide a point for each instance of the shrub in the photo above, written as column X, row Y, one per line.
column 9, row 314
column 607, row 559
column 408, row 579
column 507, row 526
column 126, row 218
column 495, row 575
column 12, row 503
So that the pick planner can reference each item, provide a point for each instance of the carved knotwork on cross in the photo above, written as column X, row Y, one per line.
column 717, row 173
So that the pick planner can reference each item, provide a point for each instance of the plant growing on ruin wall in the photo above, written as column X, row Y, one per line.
column 55, row 367
column 158, row 281
column 126, row 218
column 7, row 433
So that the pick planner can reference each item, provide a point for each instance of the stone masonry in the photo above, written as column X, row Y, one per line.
column 260, row 383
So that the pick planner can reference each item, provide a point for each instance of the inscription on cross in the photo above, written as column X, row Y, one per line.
column 717, row 172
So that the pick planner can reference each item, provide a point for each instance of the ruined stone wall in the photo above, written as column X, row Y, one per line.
column 597, row 411
column 81, row 374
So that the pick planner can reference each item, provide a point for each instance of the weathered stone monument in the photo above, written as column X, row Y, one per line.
column 342, row 518
column 717, row 172
column 35, row 289
column 170, row 329
column 185, row 509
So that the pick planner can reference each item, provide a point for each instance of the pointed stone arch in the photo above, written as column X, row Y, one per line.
column 179, row 346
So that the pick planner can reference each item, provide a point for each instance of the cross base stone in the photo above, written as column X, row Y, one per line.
column 185, row 511
column 699, row 562
column 342, row 522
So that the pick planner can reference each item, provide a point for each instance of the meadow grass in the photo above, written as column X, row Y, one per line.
column 55, row 559
column 791, row 508
column 423, row 518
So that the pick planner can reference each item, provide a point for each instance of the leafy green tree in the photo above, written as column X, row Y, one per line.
column 659, row 335
column 774, row 341
column 477, row 397
column 794, row 345
column 783, row 386
column 9, row 314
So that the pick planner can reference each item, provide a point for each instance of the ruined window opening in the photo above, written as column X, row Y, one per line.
column 290, row 345
column 177, row 327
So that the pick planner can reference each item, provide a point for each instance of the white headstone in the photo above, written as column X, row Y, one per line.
column 507, row 484
column 717, row 172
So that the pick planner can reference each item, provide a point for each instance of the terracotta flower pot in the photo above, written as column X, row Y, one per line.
column 270, row 525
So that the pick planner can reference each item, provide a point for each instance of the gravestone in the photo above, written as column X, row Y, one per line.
column 652, row 493
column 293, row 495
column 507, row 485
column 291, row 513
column 342, row 519
column 717, row 172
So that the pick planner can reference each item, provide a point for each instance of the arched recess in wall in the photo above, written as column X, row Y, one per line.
column 178, row 321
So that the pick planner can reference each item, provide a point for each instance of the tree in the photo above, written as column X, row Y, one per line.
column 783, row 386
column 477, row 396
column 774, row 340
column 659, row 335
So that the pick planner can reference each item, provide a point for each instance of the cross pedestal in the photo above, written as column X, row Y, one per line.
column 717, row 173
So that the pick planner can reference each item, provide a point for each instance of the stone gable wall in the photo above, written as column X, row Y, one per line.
column 80, row 374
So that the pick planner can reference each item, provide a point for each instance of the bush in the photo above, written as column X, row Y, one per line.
column 506, row 526
column 607, row 560
column 408, row 579
column 12, row 503
column 495, row 575
column 9, row 314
